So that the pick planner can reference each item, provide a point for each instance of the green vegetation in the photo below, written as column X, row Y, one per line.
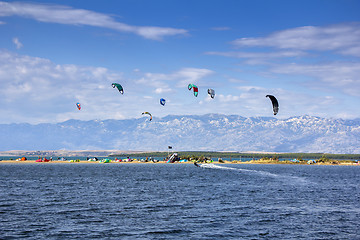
column 237, row 155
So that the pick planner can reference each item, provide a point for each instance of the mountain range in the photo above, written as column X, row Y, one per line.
column 210, row 132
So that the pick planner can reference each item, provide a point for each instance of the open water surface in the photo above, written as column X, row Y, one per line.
column 178, row 201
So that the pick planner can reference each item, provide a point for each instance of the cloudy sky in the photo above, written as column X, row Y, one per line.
column 54, row 54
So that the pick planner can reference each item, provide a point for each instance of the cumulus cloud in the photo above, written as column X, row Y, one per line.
column 162, row 90
column 17, row 43
column 252, row 101
column 191, row 75
column 181, row 78
column 38, row 90
column 228, row 98
column 67, row 15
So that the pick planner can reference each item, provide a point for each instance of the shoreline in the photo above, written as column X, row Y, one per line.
column 163, row 162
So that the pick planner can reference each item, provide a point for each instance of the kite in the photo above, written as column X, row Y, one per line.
column 119, row 87
column 148, row 114
column 162, row 101
column 195, row 88
column 211, row 92
column 274, row 103
column 78, row 106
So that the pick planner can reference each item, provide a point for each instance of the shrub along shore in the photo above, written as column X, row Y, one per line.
column 239, row 155
column 260, row 161
column 321, row 161
column 229, row 158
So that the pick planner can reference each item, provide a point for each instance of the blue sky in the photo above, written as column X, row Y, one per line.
column 56, row 53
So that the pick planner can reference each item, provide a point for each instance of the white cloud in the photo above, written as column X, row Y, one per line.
column 35, row 90
column 221, row 28
column 259, row 55
column 251, row 88
column 302, row 43
column 343, row 76
column 38, row 90
column 354, row 51
column 67, row 15
column 340, row 38
column 162, row 90
column 252, row 101
column 228, row 98
column 191, row 75
column 181, row 78
column 307, row 47
column 17, row 43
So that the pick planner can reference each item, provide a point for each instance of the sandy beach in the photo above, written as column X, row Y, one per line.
column 339, row 163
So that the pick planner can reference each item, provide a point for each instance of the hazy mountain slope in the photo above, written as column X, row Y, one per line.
column 205, row 132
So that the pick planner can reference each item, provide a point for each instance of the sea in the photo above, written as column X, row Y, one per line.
column 178, row 201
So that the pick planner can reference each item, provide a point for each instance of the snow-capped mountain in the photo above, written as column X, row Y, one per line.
column 213, row 132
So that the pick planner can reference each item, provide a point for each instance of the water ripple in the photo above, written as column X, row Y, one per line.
column 164, row 201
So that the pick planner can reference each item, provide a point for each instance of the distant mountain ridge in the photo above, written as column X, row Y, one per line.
column 210, row 132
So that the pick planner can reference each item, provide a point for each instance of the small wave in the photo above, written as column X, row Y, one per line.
column 167, row 231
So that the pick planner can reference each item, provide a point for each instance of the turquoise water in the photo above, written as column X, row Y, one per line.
column 178, row 201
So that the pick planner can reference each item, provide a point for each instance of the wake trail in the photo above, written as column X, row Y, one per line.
column 214, row 166
column 259, row 172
